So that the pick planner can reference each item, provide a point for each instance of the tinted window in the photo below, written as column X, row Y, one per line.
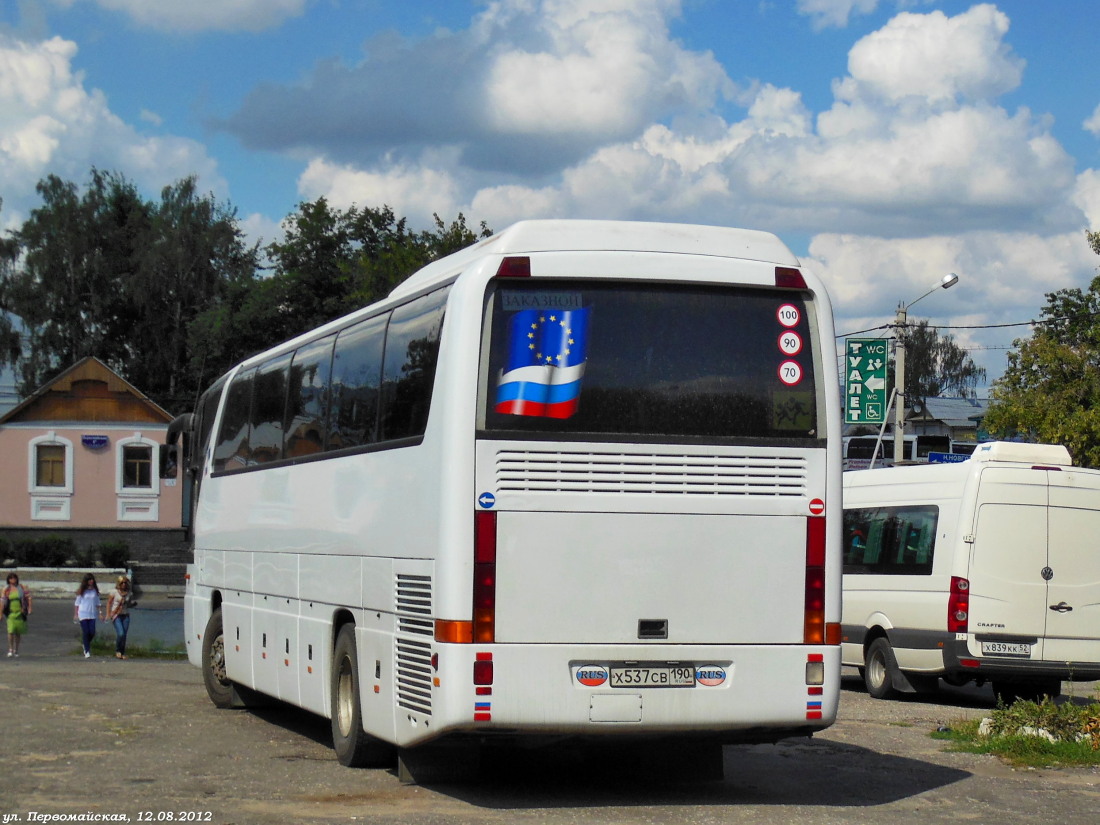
column 308, row 399
column 412, row 350
column 892, row 540
column 231, row 451
column 268, row 410
column 657, row 359
column 356, row 375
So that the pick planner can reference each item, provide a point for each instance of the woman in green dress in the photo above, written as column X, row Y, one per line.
column 15, row 603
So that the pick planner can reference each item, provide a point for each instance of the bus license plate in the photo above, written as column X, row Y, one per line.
column 652, row 676
column 1006, row 648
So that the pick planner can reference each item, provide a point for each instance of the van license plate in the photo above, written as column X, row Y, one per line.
column 652, row 676
column 1006, row 648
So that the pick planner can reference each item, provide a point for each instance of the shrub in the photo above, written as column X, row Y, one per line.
column 48, row 551
column 111, row 553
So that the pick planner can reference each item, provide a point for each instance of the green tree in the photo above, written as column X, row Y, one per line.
column 936, row 366
column 103, row 272
column 329, row 263
column 1051, row 388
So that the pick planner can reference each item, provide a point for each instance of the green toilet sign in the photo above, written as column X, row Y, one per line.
column 865, row 380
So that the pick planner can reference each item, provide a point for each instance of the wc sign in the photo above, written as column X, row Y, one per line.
column 865, row 380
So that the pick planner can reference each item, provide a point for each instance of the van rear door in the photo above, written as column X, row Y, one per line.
column 1008, row 594
column 1073, row 592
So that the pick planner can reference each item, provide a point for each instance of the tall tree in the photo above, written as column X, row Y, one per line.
column 1051, row 388
column 108, row 274
column 329, row 262
column 936, row 366
column 10, row 343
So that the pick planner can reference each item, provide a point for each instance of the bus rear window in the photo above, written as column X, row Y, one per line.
column 649, row 359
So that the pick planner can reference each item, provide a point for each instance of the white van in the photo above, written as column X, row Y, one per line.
column 985, row 570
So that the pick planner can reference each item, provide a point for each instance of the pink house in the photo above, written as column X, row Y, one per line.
column 83, row 455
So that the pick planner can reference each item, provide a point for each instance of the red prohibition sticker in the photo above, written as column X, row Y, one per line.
column 817, row 507
column 788, row 315
column 790, row 342
column 790, row 373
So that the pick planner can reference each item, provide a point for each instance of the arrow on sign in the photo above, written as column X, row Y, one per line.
column 875, row 383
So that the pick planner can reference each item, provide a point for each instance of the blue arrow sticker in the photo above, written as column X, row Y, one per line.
column 487, row 500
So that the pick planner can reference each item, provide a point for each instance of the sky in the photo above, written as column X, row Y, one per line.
column 887, row 142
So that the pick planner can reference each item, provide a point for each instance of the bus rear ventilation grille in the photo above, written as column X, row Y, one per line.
column 694, row 473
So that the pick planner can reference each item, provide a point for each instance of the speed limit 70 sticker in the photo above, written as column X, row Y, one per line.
column 790, row 373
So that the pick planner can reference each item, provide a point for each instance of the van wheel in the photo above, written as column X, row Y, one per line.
column 879, row 669
column 214, row 676
column 354, row 747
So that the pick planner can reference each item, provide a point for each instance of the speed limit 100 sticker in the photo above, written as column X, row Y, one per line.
column 790, row 373
column 790, row 342
column 789, row 315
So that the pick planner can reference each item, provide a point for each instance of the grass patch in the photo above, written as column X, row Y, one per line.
column 155, row 649
column 1030, row 734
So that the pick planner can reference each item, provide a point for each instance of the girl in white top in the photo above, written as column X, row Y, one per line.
column 86, row 609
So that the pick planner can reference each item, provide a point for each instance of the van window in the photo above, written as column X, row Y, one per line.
column 890, row 540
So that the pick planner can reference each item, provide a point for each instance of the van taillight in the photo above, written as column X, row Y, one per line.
column 958, row 605
column 814, row 629
column 485, row 575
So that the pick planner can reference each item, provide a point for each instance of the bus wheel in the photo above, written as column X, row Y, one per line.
column 879, row 668
column 218, row 686
column 354, row 747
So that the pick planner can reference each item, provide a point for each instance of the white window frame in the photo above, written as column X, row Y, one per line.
column 50, row 503
column 138, row 503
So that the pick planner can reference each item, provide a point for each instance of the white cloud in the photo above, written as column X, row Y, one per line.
column 203, row 15
column 935, row 58
column 51, row 124
column 834, row 13
column 401, row 187
column 1093, row 122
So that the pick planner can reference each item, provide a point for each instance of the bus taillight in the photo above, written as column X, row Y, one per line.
column 788, row 277
column 515, row 266
column 958, row 605
column 485, row 575
column 814, row 628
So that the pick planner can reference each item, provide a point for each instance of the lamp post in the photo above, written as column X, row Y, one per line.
column 946, row 282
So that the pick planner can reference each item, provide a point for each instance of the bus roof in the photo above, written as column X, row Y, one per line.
column 529, row 237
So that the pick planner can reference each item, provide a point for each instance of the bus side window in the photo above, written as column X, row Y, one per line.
column 268, row 410
column 412, row 350
column 356, row 373
column 309, row 392
column 231, row 452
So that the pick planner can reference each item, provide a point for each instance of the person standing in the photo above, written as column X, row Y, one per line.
column 15, row 603
column 118, row 613
column 86, row 609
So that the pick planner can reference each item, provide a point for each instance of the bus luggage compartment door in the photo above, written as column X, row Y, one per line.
column 624, row 578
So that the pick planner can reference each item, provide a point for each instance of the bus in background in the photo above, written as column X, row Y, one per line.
column 580, row 479
column 860, row 449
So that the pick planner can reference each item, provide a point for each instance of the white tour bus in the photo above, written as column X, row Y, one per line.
column 582, row 478
column 985, row 570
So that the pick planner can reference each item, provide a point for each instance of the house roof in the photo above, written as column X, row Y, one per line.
column 954, row 412
column 88, row 391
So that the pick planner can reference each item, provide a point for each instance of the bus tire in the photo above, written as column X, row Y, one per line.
column 214, row 675
column 355, row 748
column 879, row 669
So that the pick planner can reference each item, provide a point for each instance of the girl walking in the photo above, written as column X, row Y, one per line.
column 86, row 609
column 118, row 613
column 16, row 606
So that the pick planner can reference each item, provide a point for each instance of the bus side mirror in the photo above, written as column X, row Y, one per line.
column 169, row 460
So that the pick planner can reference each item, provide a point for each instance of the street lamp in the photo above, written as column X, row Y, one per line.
column 946, row 282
